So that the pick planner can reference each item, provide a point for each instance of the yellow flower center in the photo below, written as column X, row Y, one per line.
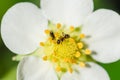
column 64, row 48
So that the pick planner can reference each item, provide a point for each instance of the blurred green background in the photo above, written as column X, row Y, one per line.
column 8, row 67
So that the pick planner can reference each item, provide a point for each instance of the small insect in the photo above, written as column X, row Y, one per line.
column 66, row 36
column 58, row 41
column 52, row 35
column 61, row 39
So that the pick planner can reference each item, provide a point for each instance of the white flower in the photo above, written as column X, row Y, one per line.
column 23, row 26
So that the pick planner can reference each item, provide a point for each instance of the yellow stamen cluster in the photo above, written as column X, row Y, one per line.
column 63, row 50
column 71, row 40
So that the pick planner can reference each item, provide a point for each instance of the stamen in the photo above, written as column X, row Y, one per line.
column 58, row 69
column 82, row 64
column 50, row 39
column 71, row 28
column 72, row 61
column 56, row 34
column 82, row 36
column 58, row 25
column 41, row 43
column 47, row 31
column 70, row 70
column 71, row 40
column 45, row 58
column 77, row 54
column 80, row 45
column 54, row 54
column 87, row 51
column 66, row 60
column 54, row 60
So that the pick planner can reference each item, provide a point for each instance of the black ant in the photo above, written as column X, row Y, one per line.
column 61, row 39
column 66, row 36
column 58, row 41
column 52, row 35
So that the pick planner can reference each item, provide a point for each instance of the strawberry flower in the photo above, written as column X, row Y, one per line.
column 62, row 40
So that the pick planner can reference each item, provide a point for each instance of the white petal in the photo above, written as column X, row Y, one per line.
column 22, row 28
column 94, row 72
column 104, row 28
column 33, row 68
column 69, row 12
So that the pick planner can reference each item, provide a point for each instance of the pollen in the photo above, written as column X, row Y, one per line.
column 58, row 68
column 66, row 60
column 87, row 51
column 77, row 54
column 50, row 39
column 71, row 28
column 71, row 40
column 56, row 34
column 82, row 64
column 70, row 70
column 82, row 36
column 41, row 43
column 54, row 60
column 45, row 58
column 80, row 45
column 58, row 25
column 47, row 31
column 73, row 61
column 54, row 54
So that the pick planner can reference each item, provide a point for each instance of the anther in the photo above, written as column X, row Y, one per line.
column 58, row 25
column 47, row 31
column 67, row 60
column 80, row 45
column 50, row 39
column 45, row 58
column 87, row 51
column 77, row 54
column 82, row 36
column 70, row 70
column 58, row 68
column 54, row 60
column 72, row 61
column 71, row 40
column 54, row 54
column 82, row 64
column 56, row 34
column 42, row 44
column 71, row 28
